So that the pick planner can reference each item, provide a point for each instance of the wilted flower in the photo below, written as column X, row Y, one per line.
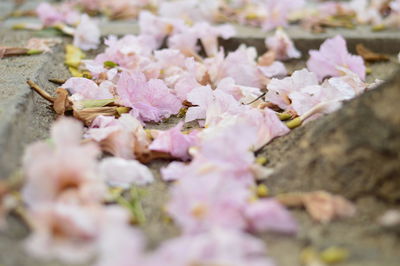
column 282, row 46
column 174, row 142
column 62, row 169
column 87, row 34
column 219, row 246
column 152, row 99
column 119, row 172
column 333, row 54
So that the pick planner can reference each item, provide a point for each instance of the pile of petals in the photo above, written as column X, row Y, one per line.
column 235, row 99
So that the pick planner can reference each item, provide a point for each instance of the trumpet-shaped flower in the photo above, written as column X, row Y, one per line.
column 119, row 172
column 87, row 34
column 152, row 99
column 55, row 172
column 282, row 46
column 332, row 55
column 174, row 142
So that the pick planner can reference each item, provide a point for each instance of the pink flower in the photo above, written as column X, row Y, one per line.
column 123, row 137
column 268, row 215
column 158, row 27
column 279, row 90
column 209, row 35
column 200, row 203
column 75, row 233
column 87, row 89
column 63, row 231
column 129, row 52
column 185, row 41
column 215, row 247
column 242, row 67
column 63, row 170
column 120, row 245
column 333, row 54
column 243, row 94
column 282, row 46
column 266, row 124
column 275, row 70
column 333, row 90
column 48, row 14
column 151, row 99
column 87, row 34
column 201, row 97
column 174, row 142
column 123, row 173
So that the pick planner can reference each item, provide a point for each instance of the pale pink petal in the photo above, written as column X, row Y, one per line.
column 123, row 173
column 87, row 88
column 152, row 99
column 282, row 46
column 174, row 142
column 275, row 70
column 87, row 34
column 333, row 53
column 269, row 215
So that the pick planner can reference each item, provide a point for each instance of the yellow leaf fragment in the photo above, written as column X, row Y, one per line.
column 334, row 255
column 75, row 72
column 73, row 56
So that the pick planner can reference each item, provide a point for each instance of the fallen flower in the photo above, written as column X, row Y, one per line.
column 151, row 100
column 122, row 173
column 269, row 215
column 87, row 34
column 42, row 44
column 282, row 46
column 62, row 170
column 174, row 142
column 123, row 137
column 322, row 206
column 219, row 246
column 333, row 53
column 86, row 89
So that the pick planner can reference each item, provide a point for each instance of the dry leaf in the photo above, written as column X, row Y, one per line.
column 61, row 102
column 322, row 206
column 147, row 157
column 266, row 59
column 42, row 44
column 369, row 55
column 87, row 115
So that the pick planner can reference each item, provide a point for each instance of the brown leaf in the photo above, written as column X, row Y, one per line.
column 61, row 102
column 369, row 55
column 87, row 115
column 147, row 157
column 10, row 51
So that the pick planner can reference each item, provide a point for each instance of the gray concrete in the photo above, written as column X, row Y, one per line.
column 20, row 120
